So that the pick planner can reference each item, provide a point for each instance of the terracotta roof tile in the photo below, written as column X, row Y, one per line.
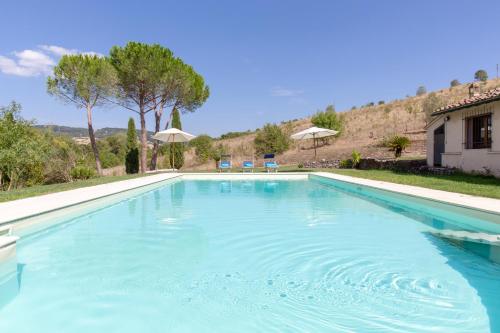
column 489, row 96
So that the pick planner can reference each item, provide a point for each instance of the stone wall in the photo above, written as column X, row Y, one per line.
column 372, row 163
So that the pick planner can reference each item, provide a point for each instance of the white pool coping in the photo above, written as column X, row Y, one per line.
column 23, row 208
column 16, row 210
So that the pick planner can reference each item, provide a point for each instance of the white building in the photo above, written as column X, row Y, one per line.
column 466, row 135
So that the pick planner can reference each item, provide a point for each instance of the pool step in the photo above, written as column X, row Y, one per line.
column 7, row 243
column 476, row 237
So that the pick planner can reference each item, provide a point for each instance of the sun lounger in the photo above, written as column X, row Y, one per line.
column 270, row 164
column 225, row 163
column 248, row 166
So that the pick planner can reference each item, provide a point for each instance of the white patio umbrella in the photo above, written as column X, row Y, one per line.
column 172, row 135
column 314, row 133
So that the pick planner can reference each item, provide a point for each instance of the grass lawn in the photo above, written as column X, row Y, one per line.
column 45, row 189
column 483, row 186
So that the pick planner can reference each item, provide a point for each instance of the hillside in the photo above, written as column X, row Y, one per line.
column 364, row 130
column 78, row 132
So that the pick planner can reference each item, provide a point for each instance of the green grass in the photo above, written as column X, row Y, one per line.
column 483, row 186
column 459, row 182
column 45, row 189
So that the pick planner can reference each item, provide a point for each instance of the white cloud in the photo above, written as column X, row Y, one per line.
column 58, row 50
column 284, row 92
column 36, row 62
column 27, row 63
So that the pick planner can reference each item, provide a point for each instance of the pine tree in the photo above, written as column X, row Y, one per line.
column 176, row 148
column 132, row 153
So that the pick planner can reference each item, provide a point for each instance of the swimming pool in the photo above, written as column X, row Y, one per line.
column 252, row 256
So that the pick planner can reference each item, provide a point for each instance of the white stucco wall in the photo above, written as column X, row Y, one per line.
column 469, row 160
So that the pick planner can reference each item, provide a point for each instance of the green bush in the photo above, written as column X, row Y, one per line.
column 328, row 119
column 271, row 139
column 345, row 164
column 355, row 158
column 203, row 146
column 454, row 83
column 231, row 135
column 132, row 161
column 82, row 173
column 398, row 144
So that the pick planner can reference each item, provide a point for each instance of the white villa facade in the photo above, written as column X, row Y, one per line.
column 466, row 135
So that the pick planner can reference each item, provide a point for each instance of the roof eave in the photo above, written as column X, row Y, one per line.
column 461, row 107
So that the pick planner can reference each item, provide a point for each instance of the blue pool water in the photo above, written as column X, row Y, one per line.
column 248, row 256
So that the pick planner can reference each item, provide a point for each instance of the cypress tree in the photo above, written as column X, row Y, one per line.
column 132, row 153
column 176, row 148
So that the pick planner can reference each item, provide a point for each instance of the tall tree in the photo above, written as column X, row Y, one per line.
column 132, row 153
column 481, row 75
column 85, row 81
column 185, row 91
column 141, row 70
column 172, row 78
column 176, row 149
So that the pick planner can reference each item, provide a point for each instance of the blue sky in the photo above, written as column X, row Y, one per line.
column 265, row 61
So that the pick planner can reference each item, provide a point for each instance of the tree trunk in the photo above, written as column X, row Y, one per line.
column 144, row 140
column 11, row 182
column 156, row 144
column 93, row 142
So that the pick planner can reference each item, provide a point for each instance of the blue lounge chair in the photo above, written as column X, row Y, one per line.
column 225, row 163
column 248, row 166
column 270, row 164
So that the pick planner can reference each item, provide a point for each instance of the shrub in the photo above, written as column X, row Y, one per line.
column 381, row 102
column 481, row 75
column 217, row 151
column 328, row 119
column 300, row 165
column 82, row 172
column 231, row 135
column 356, row 158
column 345, row 164
column 454, row 83
column 421, row 91
column 271, row 139
column 202, row 147
column 398, row 144
column 23, row 150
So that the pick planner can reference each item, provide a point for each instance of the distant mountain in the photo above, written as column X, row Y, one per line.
column 75, row 132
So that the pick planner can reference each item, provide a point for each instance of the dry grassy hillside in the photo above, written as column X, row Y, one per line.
column 364, row 129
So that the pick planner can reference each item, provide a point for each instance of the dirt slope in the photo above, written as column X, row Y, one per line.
column 364, row 130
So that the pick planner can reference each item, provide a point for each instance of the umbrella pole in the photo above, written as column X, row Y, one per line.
column 173, row 152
